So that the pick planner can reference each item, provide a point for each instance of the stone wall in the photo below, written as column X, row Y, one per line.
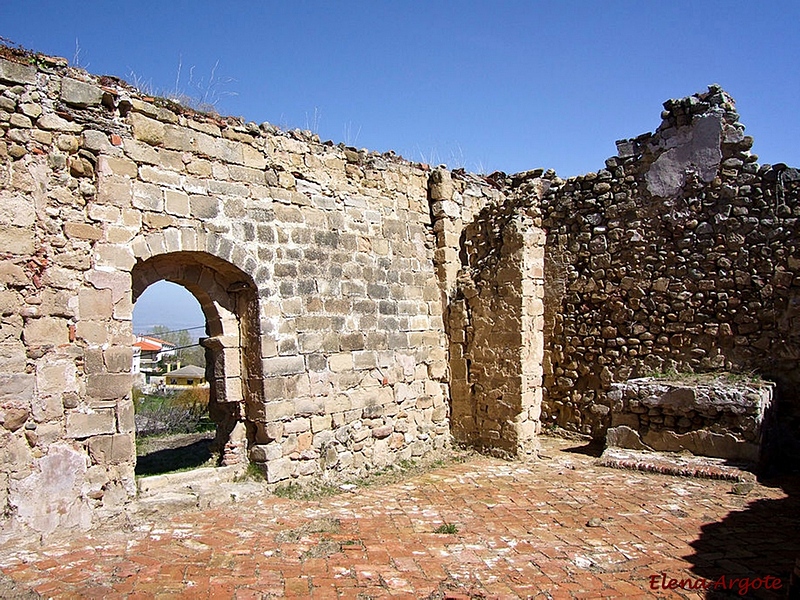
column 492, row 249
column 683, row 254
column 360, row 309
column 313, row 264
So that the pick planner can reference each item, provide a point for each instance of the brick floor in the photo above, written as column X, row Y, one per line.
column 522, row 533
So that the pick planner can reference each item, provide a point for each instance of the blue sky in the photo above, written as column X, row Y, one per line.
column 487, row 86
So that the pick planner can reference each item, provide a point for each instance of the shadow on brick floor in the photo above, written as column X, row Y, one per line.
column 761, row 540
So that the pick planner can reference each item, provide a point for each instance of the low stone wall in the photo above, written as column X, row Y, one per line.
column 714, row 417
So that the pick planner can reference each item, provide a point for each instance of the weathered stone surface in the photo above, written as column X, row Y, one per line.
column 90, row 423
column 703, row 443
column 12, row 274
column 284, row 365
column 14, row 418
column 147, row 130
column 13, row 72
column 279, row 470
column 111, row 449
column 79, row 93
column 49, row 498
column 623, row 436
column 83, row 231
column 46, row 331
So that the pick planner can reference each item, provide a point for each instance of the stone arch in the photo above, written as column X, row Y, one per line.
column 228, row 298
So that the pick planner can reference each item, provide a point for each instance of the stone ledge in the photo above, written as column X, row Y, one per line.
column 673, row 464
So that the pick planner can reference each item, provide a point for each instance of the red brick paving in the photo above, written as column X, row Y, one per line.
column 522, row 533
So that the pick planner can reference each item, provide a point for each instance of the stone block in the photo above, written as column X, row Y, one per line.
column 283, row 365
column 18, row 211
column 119, row 359
column 12, row 274
column 17, row 240
column 203, row 207
column 147, row 196
column 99, row 421
column 112, row 449
column 147, row 130
column 338, row 404
column 308, row 406
column 108, row 386
column 56, row 378
column 13, row 418
column 14, row 72
column 159, row 176
column 702, row 443
column 93, row 332
column 277, row 410
column 119, row 282
column 117, row 165
column 381, row 432
column 297, row 426
column 365, row 360
column 115, row 193
column 279, row 470
column 83, row 231
column 94, row 140
column 229, row 389
column 623, row 436
column 118, row 256
column 125, row 416
column 17, row 389
column 265, row 452
column 176, row 203
column 52, row 122
column 320, row 423
column 95, row 304
column 79, row 93
column 341, row 362
column 46, row 331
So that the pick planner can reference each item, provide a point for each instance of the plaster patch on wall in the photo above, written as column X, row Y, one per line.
column 695, row 149
column 47, row 500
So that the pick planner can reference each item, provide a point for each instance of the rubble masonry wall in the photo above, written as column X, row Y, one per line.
column 683, row 254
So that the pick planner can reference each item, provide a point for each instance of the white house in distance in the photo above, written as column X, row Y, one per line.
column 148, row 351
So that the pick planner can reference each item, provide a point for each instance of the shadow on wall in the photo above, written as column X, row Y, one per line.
column 781, row 446
column 751, row 544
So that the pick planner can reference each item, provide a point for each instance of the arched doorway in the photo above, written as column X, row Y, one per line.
column 170, row 391
column 229, row 301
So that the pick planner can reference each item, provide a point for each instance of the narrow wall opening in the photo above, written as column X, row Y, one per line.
column 170, row 387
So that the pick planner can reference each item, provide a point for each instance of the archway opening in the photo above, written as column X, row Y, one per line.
column 227, row 301
column 170, row 390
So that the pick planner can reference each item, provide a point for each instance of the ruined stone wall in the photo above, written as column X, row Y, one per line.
column 349, row 295
column 492, row 251
column 313, row 263
column 681, row 255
